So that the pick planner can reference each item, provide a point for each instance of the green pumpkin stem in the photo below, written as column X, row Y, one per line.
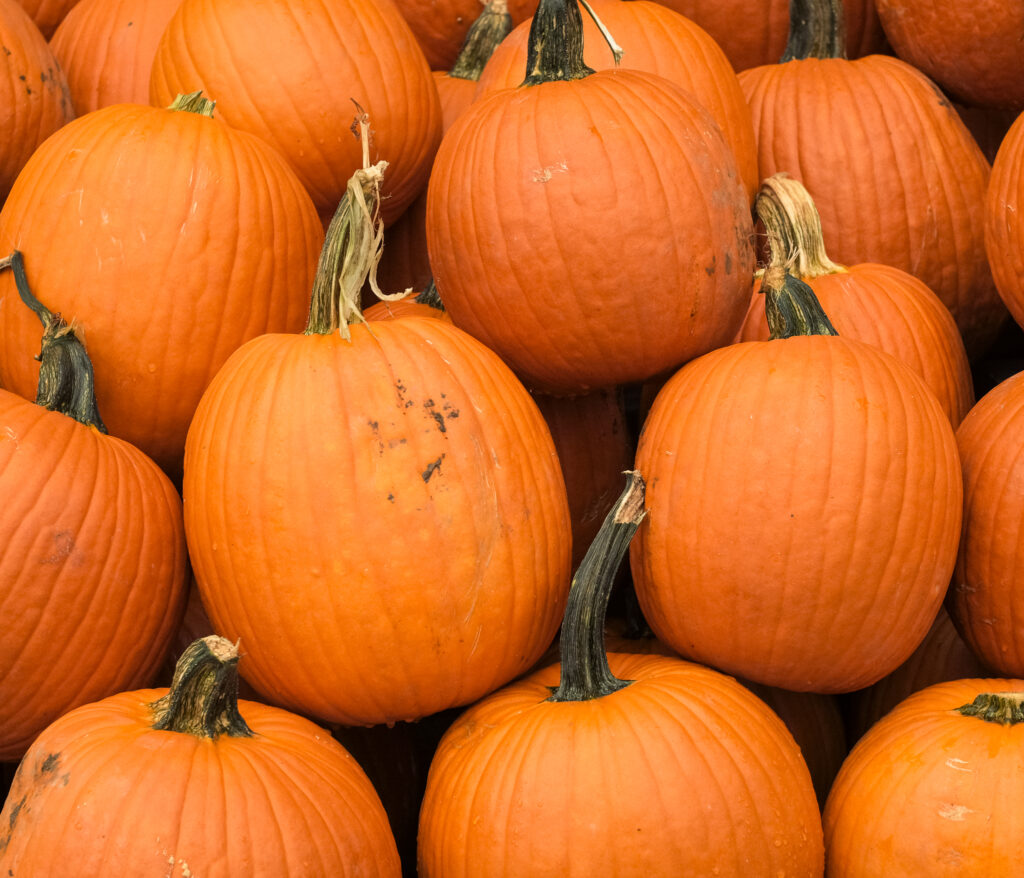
column 193, row 102
column 791, row 307
column 1005, row 708
column 203, row 698
column 66, row 381
column 490, row 28
column 430, row 296
column 817, row 29
column 793, row 226
column 352, row 248
column 555, row 47
column 585, row 671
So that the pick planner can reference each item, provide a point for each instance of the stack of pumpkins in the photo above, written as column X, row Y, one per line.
column 328, row 329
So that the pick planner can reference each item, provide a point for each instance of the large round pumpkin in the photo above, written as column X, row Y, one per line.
column 805, row 508
column 171, row 238
column 1004, row 231
column 191, row 782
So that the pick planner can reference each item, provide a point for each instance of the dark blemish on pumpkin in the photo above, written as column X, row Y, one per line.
column 28, row 91
column 728, row 262
column 50, row 763
column 391, row 498
column 374, row 425
column 23, row 77
column 436, row 415
column 6, row 50
column 16, row 810
column 64, row 545
column 431, row 469
column 394, row 443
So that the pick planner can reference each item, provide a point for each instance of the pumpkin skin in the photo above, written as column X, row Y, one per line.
column 657, row 40
column 165, row 287
column 325, row 56
column 928, row 791
column 908, row 196
column 289, row 801
column 92, row 567
column 425, row 441
column 683, row 772
column 589, row 312
column 47, row 14
column 984, row 599
column 835, row 468
column 106, row 49
column 1004, row 232
column 34, row 97
column 973, row 51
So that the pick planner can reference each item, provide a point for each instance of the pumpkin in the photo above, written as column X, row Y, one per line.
column 47, row 14
column 655, row 39
column 878, row 304
column 420, row 546
column 106, row 49
column 906, row 195
column 34, row 97
column 761, row 39
column 183, row 238
column 985, row 598
column 1004, row 232
column 588, row 251
column 289, row 71
column 932, row 789
column 92, row 564
column 811, row 485
column 973, row 52
column 625, row 765
column 425, row 304
column 191, row 781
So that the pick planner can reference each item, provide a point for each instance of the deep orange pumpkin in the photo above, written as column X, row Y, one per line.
column 289, row 72
column 190, row 781
column 934, row 788
column 92, row 561
column 34, row 97
column 608, row 240
column 418, row 549
column 106, row 49
column 47, row 14
column 1004, row 231
column 810, row 484
column 638, row 766
column 909, row 195
column 171, row 238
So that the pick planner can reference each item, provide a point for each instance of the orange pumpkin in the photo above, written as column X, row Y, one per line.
column 638, row 766
column 47, row 14
column 1004, row 231
column 906, row 195
column 877, row 304
column 588, row 252
column 415, row 556
column 92, row 563
column 809, row 483
column 190, row 781
column 34, row 97
column 106, row 49
column 933, row 788
column 289, row 71
column 171, row 238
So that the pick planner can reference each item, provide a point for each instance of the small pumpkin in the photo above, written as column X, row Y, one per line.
column 190, row 781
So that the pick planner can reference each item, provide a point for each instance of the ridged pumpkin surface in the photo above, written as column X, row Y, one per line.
column 804, row 498
column 655, row 39
column 1004, row 231
column 614, row 239
column 393, row 503
column 289, row 71
column 930, row 792
column 106, row 48
column 684, row 772
column 985, row 599
column 288, row 802
column 92, row 568
column 47, row 14
column 170, row 238
column 34, row 97
column 895, row 175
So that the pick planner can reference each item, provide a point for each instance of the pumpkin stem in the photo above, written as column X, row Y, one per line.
column 793, row 226
column 817, row 29
column 490, row 28
column 430, row 296
column 66, row 381
column 193, row 102
column 555, row 47
column 203, row 698
column 1005, row 708
column 585, row 671
column 352, row 248
column 791, row 306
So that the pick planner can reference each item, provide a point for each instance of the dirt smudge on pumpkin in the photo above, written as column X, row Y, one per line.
column 64, row 545
column 432, row 468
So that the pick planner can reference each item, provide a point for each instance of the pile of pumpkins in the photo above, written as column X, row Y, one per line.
column 348, row 350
